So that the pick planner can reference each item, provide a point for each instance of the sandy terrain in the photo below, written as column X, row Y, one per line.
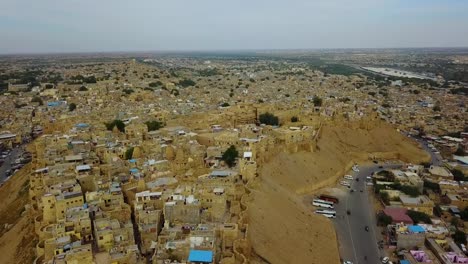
column 281, row 227
column 17, row 242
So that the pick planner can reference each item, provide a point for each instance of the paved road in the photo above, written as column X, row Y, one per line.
column 14, row 154
column 355, row 242
column 436, row 159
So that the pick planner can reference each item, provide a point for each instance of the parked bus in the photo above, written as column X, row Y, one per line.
column 320, row 204
column 329, row 198
column 324, row 201
column 325, row 212
column 330, row 215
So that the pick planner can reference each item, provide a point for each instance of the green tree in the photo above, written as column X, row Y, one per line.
column 224, row 104
column 155, row 84
column 464, row 214
column 436, row 108
column 128, row 91
column 83, row 89
column 269, row 119
column 437, row 211
column 71, row 107
column 384, row 220
column 37, row 99
column 459, row 237
column 129, row 153
column 385, row 198
column 186, row 83
column 432, row 186
column 294, row 119
column 230, row 155
column 154, row 125
column 410, row 190
column 460, row 151
column 116, row 123
column 419, row 217
column 458, row 175
column 317, row 101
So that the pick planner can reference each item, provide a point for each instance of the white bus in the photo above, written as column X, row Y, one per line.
column 330, row 215
column 326, row 212
column 323, row 201
column 322, row 204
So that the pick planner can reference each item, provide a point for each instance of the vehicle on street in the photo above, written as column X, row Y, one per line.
column 347, row 262
column 385, row 260
column 322, row 203
column 329, row 198
column 325, row 212
column 348, row 177
column 345, row 183
column 366, row 228
column 348, row 212
column 330, row 215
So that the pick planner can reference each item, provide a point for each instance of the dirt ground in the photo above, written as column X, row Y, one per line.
column 17, row 240
column 281, row 227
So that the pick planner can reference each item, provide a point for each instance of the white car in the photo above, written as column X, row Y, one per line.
column 345, row 183
column 385, row 260
column 347, row 262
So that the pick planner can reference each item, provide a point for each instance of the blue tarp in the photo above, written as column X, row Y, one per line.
column 52, row 104
column 82, row 125
column 132, row 160
column 200, row 256
column 405, row 261
column 416, row 229
column 134, row 170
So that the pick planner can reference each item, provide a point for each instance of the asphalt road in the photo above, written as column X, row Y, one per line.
column 357, row 244
column 14, row 154
column 436, row 159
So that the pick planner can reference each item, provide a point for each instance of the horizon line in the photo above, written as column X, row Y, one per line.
column 168, row 51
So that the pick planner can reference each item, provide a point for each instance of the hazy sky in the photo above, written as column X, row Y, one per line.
column 151, row 25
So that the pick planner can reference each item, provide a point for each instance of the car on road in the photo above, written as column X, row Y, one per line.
column 385, row 260
column 345, row 183
column 380, row 167
column 366, row 228
column 347, row 262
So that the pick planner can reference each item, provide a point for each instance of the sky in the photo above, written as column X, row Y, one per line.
column 51, row 26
